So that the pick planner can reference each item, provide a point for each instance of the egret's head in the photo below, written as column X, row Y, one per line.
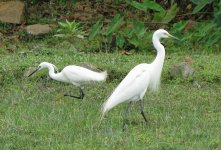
column 161, row 33
column 42, row 66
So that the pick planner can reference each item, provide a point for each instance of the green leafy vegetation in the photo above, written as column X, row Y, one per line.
column 161, row 15
column 115, row 36
column 69, row 30
column 201, row 4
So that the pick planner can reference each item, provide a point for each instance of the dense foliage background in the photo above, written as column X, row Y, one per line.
column 126, row 24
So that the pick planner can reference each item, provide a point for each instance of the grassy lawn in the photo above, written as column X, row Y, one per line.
column 34, row 114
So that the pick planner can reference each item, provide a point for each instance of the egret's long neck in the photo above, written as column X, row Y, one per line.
column 159, row 60
column 157, row 64
column 52, row 73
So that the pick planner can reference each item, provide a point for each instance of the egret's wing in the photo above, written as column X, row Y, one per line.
column 81, row 74
column 132, row 86
column 134, row 90
column 131, row 77
column 76, row 73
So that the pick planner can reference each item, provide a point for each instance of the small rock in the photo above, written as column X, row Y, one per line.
column 182, row 70
column 196, row 84
column 80, row 36
column 11, row 48
column 188, row 59
column 53, row 25
column 29, row 71
column 46, row 13
column 38, row 29
column 12, row 12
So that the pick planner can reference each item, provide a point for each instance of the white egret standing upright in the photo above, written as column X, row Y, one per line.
column 139, row 79
column 76, row 75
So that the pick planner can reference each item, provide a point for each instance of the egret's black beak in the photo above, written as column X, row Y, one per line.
column 33, row 72
column 171, row 36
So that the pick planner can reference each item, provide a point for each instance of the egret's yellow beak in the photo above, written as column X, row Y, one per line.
column 171, row 36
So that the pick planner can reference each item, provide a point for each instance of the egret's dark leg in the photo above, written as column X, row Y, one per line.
column 125, row 115
column 141, row 111
column 81, row 93
column 78, row 97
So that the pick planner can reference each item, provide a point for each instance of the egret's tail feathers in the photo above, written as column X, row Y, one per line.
column 109, row 104
column 104, row 109
column 101, row 76
column 104, row 75
column 102, row 117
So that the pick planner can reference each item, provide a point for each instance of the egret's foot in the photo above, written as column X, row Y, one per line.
column 142, row 113
column 78, row 97
column 81, row 94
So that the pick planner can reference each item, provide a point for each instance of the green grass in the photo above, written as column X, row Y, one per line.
column 34, row 114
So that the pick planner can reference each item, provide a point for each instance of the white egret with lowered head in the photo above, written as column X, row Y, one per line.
column 73, row 74
column 139, row 79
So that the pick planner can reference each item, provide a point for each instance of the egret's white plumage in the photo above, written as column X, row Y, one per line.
column 76, row 75
column 132, row 88
column 140, row 78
